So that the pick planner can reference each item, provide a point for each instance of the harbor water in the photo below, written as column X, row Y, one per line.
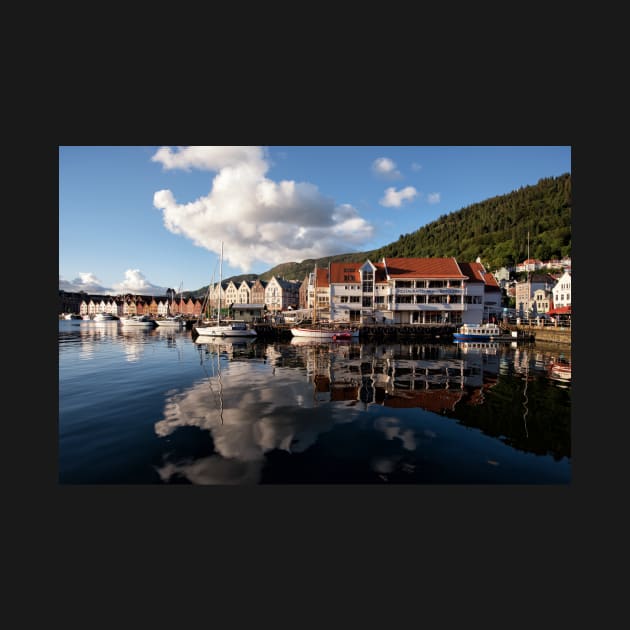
column 157, row 406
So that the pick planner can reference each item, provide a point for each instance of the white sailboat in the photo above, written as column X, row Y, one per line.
column 227, row 328
column 323, row 330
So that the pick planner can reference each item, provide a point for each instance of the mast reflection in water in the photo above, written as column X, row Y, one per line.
column 159, row 407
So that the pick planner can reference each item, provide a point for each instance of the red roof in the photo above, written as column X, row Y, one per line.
column 476, row 273
column 423, row 268
column 345, row 272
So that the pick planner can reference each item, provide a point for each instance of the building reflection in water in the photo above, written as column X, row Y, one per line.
column 254, row 398
column 432, row 377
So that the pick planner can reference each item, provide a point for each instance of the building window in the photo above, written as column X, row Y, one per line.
column 367, row 300
column 344, row 299
column 403, row 284
column 368, row 282
column 355, row 299
column 473, row 299
column 437, row 284
column 379, row 299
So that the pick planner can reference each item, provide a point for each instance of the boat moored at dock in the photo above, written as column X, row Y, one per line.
column 175, row 321
column 137, row 320
column 103, row 317
column 481, row 332
column 324, row 332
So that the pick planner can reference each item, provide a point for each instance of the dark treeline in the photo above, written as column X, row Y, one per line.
column 495, row 229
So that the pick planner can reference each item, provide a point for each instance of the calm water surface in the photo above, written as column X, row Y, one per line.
column 157, row 407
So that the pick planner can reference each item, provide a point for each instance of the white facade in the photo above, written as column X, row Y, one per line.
column 231, row 294
column 244, row 293
column 344, row 303
column 525, row 292
column 562, row 291
column 542, row 300
column 473, row 312
column 280, row 294
column 273, row 295
column 502, row 276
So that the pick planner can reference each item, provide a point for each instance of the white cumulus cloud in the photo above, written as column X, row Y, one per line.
column 134, row 282
column 85, row 281
column 385, row 167
column 206, row 158
column 433, row 197
column 394, row 198
column 257, row 219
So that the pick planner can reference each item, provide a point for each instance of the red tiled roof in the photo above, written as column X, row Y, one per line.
column 476, row 273
column 423, row 268
column 339, row 271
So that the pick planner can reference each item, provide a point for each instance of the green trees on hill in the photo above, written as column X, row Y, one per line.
column 497, row 229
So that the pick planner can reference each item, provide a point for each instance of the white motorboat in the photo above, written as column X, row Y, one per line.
column 138, row 320
column 103, row 317
column 175, row 321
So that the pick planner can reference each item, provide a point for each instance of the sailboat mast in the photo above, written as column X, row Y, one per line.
column 315, row 295
column 220, row 283
column 529, row 279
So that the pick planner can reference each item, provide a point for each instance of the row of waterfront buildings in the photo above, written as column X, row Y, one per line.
column 393, row 291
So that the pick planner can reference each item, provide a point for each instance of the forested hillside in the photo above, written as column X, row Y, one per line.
column 495, row 230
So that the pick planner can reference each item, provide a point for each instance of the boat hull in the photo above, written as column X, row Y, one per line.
column 138, row 321
column 465, row 337
column 333, row 335
column 224, row 331
column 103, row 317
column 169, row 323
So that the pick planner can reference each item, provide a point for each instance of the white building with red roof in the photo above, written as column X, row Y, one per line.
column 562, row 291
column 408, row 291
column 531, row 264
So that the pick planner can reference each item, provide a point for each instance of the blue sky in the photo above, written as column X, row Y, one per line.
column 142, row 219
